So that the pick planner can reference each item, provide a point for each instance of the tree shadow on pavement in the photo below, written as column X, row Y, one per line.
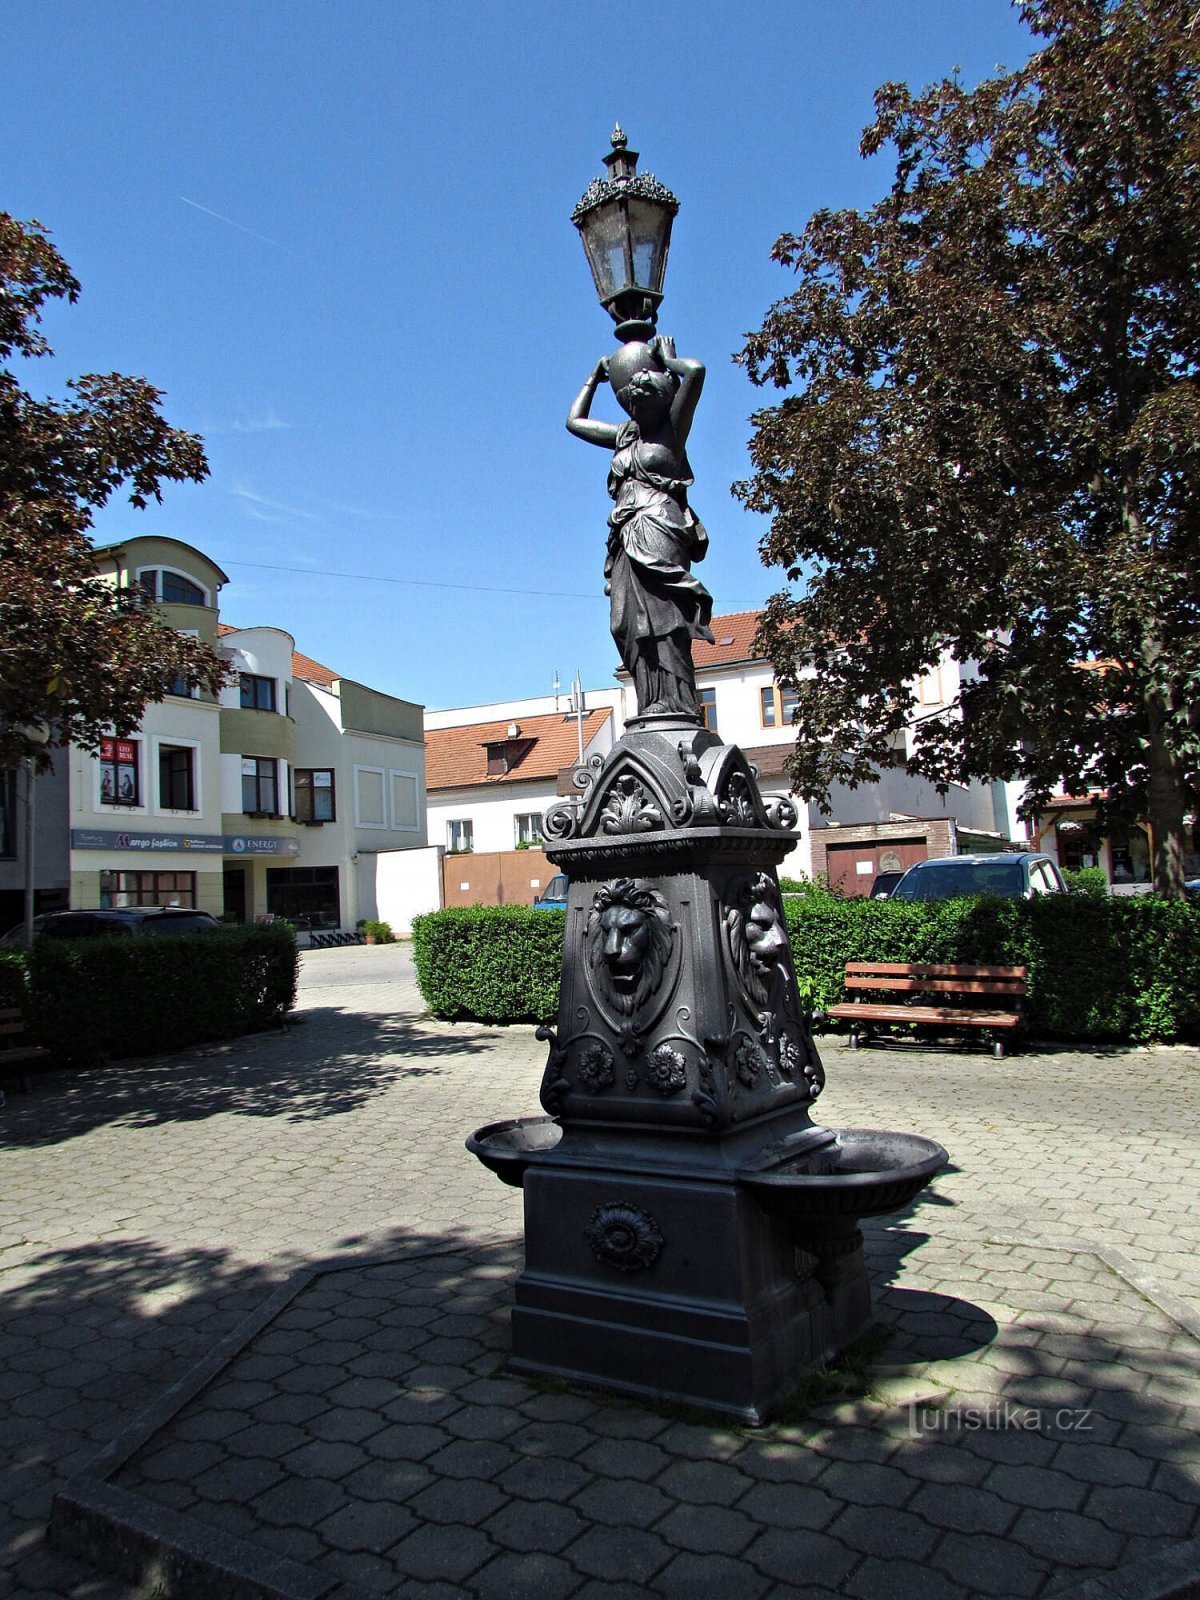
column 329, row 1065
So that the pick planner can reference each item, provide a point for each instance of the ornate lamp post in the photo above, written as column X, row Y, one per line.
column 690, row 1231
column 625, row 223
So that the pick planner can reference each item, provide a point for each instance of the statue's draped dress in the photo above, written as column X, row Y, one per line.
column 657, row 607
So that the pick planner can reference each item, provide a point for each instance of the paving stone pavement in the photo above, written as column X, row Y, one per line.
column 371, row 1431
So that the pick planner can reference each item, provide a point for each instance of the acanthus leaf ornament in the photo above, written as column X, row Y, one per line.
column 628, row 808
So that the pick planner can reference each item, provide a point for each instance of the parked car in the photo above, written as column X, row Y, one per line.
column 554, row 896
column 1015, row 875
column 120, row 922
column 884, row 883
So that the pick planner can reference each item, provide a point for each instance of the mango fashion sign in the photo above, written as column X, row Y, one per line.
column 202, row 843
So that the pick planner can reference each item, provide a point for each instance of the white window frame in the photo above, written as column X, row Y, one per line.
column 194, row 745
column 528, row 816
column 162, row 566
column 460, row 822
column 381, row 774
column 397, row 826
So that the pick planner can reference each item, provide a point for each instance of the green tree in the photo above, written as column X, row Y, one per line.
column 990, row 442
column 77, row 655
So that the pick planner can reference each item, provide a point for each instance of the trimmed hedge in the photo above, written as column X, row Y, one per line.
column 96, row 998
column 14, row 979
column 1119, row 968
column 490, row 963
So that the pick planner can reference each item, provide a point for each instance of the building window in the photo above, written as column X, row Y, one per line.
column 260, row 785
column 528, row 828
column 460, row 836
column 180, row 686
column 307, row 896
column 778, row 706
column 119, row 772
column 172, row 588
column 314, row 795
column 176, row 777
column 8, row 814
column 929, row 689
column 707, row 699
column 148, row 889
column 258, row 694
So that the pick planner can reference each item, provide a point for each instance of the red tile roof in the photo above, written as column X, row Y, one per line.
column 302, row 666
column 456, row 757
column 733, row 634
column 312, row 671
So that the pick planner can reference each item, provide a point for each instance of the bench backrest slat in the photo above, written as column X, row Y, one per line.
column 920, row 969
column 997, row 987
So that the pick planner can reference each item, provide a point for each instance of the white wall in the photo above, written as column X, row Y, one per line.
column 401, row 885
column 492, row 811
column 265, row 652
column 346, row 843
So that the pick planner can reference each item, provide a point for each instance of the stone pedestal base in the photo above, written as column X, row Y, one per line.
column 680, row 1289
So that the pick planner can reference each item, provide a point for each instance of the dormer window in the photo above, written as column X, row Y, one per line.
column 171, row 588
column 505, row 754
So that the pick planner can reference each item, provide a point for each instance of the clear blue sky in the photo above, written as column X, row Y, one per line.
column 337, row 236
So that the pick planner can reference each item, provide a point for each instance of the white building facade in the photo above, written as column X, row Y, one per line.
column 271, row 799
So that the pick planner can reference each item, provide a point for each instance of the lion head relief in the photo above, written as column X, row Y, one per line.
column 758, row 938
column 629, row 937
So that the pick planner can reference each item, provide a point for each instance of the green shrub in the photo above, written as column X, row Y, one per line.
column 14, row 979
column 490, row 963
column 377, row 932
column 1087, row 880
column 95, row 998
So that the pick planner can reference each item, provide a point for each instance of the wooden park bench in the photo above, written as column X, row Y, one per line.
column 16, row 1052
column 939, row 997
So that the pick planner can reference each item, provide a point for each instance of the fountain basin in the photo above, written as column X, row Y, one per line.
column 507, row 1148
column 867, row 1173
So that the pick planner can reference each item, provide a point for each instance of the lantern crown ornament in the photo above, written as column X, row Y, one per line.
column 625, row 222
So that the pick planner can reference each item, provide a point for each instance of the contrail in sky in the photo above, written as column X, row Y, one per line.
column 230, row 223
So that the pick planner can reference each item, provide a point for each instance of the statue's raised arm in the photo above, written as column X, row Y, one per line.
column 657, row 606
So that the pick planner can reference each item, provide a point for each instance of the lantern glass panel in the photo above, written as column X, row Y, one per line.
column 604, row 236
column 650, row 231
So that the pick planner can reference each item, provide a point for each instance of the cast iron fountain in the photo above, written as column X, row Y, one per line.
column 690, row 1233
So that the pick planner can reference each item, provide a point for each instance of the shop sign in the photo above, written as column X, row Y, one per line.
column 103, row 839
column 241, row 844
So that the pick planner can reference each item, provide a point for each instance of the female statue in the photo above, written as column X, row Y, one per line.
column 656, row 606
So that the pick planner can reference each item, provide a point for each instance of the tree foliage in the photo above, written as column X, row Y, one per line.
column 990, row 439
column 77, row 656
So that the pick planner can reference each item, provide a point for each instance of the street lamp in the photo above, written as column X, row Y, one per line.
column 625, row 223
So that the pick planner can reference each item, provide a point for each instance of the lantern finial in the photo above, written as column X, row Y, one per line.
column 625, row 220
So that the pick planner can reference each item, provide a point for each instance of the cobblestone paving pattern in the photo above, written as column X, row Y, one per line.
column 372, row 1433
column 146, row 1208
